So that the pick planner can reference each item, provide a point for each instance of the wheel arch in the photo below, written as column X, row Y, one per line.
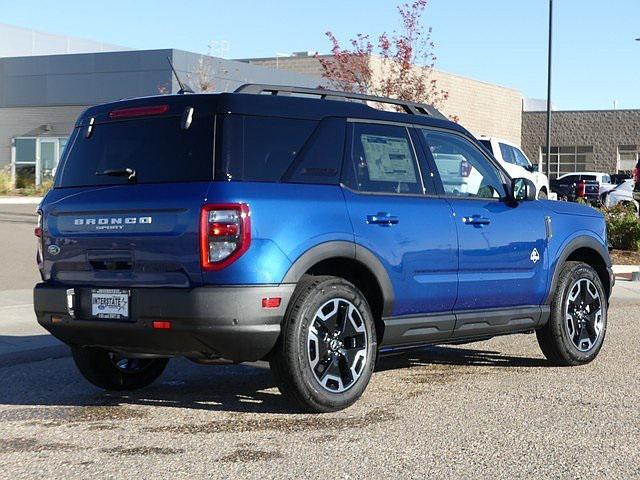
column 588, row 250
column 355, row 264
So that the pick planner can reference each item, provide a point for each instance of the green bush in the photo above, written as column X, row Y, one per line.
column 623, row 226
column 5, row 181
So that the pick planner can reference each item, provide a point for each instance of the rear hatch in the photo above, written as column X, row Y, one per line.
column 125, row 206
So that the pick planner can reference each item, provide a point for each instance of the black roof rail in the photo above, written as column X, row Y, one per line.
column 409, row 107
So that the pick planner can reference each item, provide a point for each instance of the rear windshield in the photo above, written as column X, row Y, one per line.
column 158, row 149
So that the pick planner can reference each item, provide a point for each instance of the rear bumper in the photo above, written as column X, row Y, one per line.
column 206, row 322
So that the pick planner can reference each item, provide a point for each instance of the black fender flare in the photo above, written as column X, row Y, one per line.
column 351, row 251
column 583, row 241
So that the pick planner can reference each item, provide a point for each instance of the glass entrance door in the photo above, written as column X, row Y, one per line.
column 34, row 160
column 46, row 160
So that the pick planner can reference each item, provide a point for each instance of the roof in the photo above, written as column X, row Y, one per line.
column 267, row 105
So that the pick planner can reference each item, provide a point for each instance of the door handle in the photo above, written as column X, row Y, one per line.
column 476, row 220
column 383, row 219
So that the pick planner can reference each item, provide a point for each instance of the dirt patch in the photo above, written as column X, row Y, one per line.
column 31, row 445
column 625, row 257
column 239, row 423
column 247, row 455
column 143, row 451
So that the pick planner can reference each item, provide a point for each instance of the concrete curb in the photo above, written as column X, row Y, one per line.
column 20, row 200
column 617, row 269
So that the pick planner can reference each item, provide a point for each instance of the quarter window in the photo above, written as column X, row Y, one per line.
column 463, row 169
column 382, row 160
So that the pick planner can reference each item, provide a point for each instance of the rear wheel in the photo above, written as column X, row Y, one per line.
column 112, row 371
column 576, row 329
column 327, row 349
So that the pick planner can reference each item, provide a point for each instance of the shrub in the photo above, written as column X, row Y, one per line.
column 5, row 181
column 623, row 226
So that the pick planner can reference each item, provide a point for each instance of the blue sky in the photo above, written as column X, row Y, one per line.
column 596, row 60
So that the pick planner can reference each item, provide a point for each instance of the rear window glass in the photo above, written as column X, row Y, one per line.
column 260, row 149
column 158, row 149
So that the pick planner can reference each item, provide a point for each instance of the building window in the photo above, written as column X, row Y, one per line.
column 628, row 156
column 34, row 159
column 568, row 160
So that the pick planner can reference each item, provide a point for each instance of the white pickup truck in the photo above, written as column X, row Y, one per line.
column 516, row 163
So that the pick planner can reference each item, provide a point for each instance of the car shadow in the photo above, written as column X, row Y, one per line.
column 444, row 355
column 245, row 388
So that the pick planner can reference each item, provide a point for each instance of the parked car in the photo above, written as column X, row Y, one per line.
column 621, row 194
column 603, row 179
column 516, row 163
column 572, row 186
column 618, row 178
column 314, row 233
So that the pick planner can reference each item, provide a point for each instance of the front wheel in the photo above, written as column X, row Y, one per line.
column 327, row 349
column 112, row 371
column 576, row 328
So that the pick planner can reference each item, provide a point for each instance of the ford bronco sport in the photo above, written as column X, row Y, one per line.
column 315, row 233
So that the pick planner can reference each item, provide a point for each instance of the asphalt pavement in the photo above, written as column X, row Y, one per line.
column 493, row 409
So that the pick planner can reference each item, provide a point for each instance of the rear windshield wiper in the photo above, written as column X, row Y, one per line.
column 130, row 173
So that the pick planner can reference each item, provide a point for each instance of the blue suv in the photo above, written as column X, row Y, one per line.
column 306, row 228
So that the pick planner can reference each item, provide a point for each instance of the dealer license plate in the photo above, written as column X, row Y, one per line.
column 110, row 303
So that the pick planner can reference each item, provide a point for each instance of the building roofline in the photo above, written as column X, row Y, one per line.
column 438, row 70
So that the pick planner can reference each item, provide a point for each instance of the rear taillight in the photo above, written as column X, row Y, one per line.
column 225, row 234
column 636, row 175
column 582, row 189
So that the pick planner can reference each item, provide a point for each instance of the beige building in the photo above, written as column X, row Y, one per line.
column 483, row 108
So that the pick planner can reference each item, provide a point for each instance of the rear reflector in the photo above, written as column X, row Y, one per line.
column 161, row 325
column 273, row 302
column 138, row 111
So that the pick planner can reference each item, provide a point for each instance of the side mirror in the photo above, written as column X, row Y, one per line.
column 532, row 168
column 523, row 190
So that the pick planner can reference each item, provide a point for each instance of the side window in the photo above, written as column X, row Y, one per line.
column 521, row 159
column 260, row 149
column 320, row 160
column 507, row 154
column 382, row 160
column 588, row 177
column 463, row 169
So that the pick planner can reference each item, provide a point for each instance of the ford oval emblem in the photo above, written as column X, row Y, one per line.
column 53, row 249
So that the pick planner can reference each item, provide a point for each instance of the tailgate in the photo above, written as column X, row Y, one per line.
column 133, row 235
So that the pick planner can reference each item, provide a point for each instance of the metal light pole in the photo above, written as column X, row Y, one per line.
column 549, row 89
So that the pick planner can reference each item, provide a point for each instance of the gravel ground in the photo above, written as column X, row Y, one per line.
column 488, row 410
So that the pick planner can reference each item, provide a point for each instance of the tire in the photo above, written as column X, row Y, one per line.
column 542, row 195
column 558, row 343
column 309, row 367
column 111, row 372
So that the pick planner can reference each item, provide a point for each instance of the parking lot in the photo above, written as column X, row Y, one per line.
column 483, row 410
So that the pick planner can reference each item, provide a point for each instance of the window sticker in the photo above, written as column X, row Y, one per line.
column 389, row 159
